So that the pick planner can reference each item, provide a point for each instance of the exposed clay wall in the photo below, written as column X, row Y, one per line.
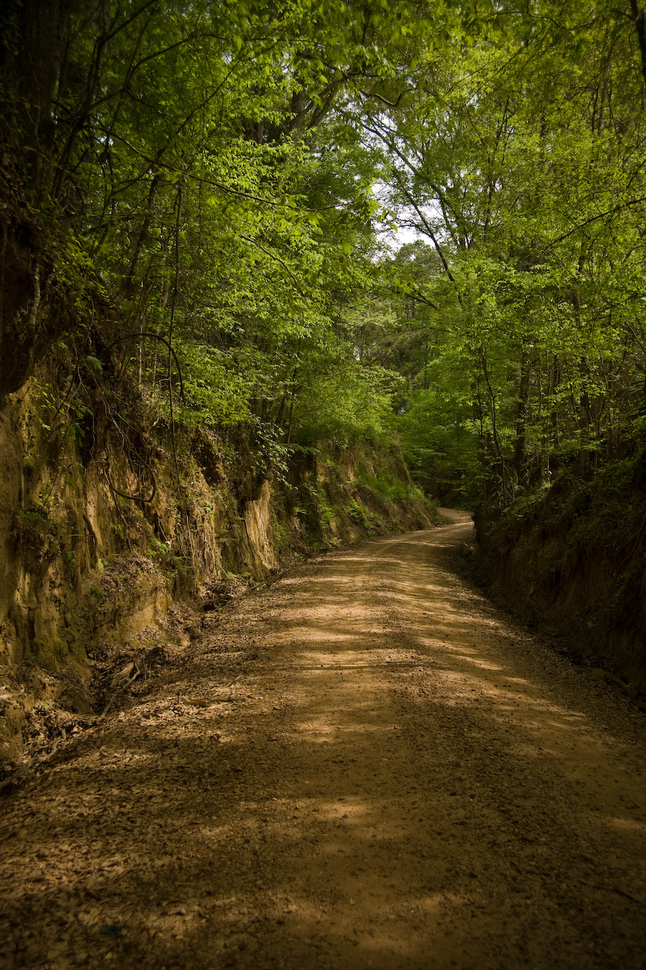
column 86, row 570
column 259, row 546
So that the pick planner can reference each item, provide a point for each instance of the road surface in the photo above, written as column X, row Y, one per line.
column 365, row 765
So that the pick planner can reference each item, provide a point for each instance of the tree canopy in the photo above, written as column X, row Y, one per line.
column 211, row 188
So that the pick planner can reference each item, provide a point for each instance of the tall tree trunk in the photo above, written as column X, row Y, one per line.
column 520, row 450
column 30, row 59
column 506, row 490
column 640, row 30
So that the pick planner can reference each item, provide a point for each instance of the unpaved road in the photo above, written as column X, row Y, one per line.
column 398, row 778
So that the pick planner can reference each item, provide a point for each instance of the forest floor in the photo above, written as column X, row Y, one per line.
column 365, row 765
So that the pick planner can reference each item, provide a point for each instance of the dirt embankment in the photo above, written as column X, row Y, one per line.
column 363, row 766
column 570, row 561
column 102, row 534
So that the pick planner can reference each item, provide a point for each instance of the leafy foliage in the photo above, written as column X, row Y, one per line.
column 222, row 177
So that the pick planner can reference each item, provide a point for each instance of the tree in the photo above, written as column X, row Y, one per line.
column 518, row 157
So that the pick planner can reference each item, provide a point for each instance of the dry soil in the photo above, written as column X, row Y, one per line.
column 365, row 765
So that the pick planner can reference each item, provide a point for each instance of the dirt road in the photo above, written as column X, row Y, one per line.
column 363, row 766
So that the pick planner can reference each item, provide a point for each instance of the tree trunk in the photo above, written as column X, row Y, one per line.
column 520, row 450
column 29, row 69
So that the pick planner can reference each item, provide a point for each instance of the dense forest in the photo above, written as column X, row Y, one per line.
column 241, row 239
column 211, row 188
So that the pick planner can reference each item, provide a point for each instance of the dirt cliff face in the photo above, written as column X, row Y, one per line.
column 258, row 545
column 101, row 537
column 11, row 484
column 572, row 561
